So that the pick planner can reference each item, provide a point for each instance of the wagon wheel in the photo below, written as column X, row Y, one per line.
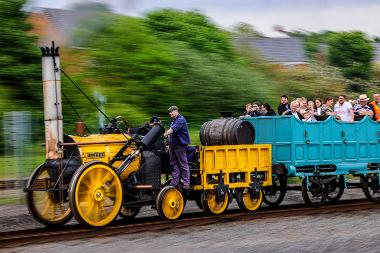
column 249, row 199
column 170, row 203
column 274, row 195
column 95, row 194
column 50, row 208
column 210, row 203
column 198, row 201
column 129, row 213
column 371, row 188
column 313, row 192
column 335, row 189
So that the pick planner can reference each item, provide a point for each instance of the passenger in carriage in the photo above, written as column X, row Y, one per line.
column 327, row 108
column 252, row 110
column 375, row 107
column 344, row 109
column 255, row 110
column 309, row 116
column 318, row 107
column 248, row 108
column 362, row 108
column 266, row 110
column 294, row 106
column 311, row 105
column 302, row 105
column 376, row 97
column 284, row 106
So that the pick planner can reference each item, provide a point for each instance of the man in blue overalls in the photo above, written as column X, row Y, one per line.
column 178, row 140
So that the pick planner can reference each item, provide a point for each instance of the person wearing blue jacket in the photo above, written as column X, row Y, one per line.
column 179, row 138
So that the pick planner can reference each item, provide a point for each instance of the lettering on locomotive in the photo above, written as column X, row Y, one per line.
column 93, row 155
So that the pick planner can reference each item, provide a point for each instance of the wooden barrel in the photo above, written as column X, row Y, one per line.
column 226, row 131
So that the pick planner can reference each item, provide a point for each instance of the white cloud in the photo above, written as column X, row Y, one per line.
column 337, row 18
column 311, row 15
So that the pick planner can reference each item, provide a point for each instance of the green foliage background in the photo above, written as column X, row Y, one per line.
column 170, row 57
column 352, row 52
column 138, row 67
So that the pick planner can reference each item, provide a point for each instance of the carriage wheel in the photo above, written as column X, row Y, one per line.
column 50, row 208
column 210, row 203
column 274, row 195
column 129, row 213
column 170, row 203
column 249, row 199
column 198, row 201
column 335, row 189
column 95, row 194
column 371, row 189
column 313, row 192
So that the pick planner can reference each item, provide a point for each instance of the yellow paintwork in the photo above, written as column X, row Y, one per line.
column 251, row 204
column 210, row 202
column 172, row 204
column 231, row 159
column 105, row 152
column 98, row 195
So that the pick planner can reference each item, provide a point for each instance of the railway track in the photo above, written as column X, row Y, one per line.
column 154, row 224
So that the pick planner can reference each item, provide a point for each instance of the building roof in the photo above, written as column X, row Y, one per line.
column 281, row 50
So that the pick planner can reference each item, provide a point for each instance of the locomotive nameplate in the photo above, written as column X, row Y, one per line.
column 93, row 155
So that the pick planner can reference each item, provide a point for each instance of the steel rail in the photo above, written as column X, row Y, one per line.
column 149, row 224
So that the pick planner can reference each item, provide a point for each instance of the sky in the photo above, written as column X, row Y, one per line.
column 309, row 15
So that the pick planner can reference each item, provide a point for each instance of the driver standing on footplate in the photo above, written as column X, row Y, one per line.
column 179, row 138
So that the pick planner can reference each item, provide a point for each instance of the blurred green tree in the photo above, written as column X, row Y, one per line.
column 191, row 27
column 128, row 65
column 245, row 30
column 352, row 52
column 20, row 67
column 142, row 71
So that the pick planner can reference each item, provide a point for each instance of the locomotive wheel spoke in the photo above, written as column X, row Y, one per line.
column 46, row 207
column 53, row 210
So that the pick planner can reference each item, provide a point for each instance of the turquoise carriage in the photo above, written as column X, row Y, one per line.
column 323, row 154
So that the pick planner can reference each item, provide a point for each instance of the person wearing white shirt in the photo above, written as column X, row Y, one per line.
column 344, row 109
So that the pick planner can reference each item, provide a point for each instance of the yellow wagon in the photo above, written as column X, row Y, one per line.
column 232, row 170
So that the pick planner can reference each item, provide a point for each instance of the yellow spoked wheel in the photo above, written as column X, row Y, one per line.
column 95, row 194
column 170, row 203
column 212, row 205
column 249, row 200
column 47, row 206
